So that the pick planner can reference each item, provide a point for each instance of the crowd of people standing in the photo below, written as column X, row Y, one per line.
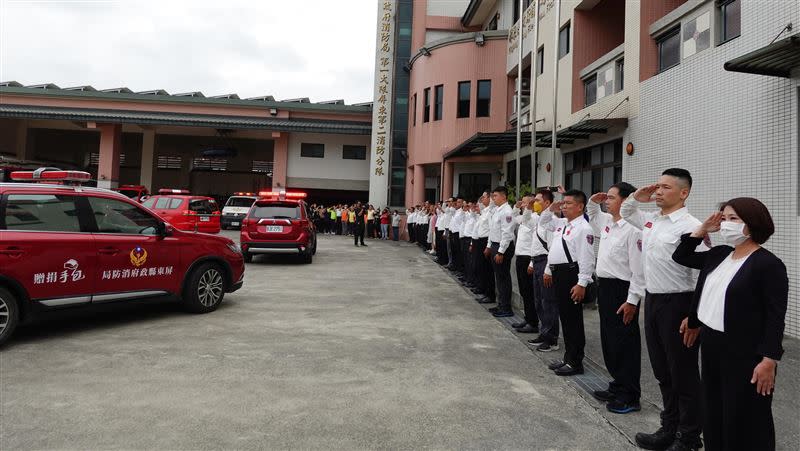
column 357, row 220
column 730, row 300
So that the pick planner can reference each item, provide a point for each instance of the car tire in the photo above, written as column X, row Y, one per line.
column 205, row 288
column 9, row 315
column 248, row 257
column 307, row 257
column 314, row 249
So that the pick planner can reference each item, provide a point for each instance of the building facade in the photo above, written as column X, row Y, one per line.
column 627, row 87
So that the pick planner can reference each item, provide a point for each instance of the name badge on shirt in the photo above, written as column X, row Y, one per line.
column 590, row 239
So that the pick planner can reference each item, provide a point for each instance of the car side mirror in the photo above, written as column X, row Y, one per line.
column 164, row 229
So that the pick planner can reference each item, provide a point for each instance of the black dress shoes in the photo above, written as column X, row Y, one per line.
column 556, row 365
column 658, row 440
column 519, row 325
column 603, row 395
column 528, row 329
column 568, row 370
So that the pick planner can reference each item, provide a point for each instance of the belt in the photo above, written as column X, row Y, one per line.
column 564, row 266
column 539, row 258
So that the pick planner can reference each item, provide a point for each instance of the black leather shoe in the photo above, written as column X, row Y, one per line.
column 603, row 395
column 494, row 309
column 537, row 341
column 485, row 300
column 519, row 325
column 568, row 370
column 528, row 329
column 658, row 440
column 556, row 365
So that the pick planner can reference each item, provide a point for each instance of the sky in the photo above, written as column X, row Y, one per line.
column 320, row 49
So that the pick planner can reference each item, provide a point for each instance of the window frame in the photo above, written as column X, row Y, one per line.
column 616, row 163
column 414, row 111
column 459, row 106
column 674, row 32
column 619, row 75
column 359, row 147
column 80, row 203
column 721, row 8
column 305, row 151
column 568, row 28
column 540, row 61
column 586, row 81
column 426, row 113
column 438, row 102
column 168, row 160
column 96, row 226
column 488, row 100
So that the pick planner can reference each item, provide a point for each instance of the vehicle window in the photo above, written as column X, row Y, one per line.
column 132, row 194
column 239, row 202
column 276, row 211
column 201, row 206
column 163, row 203
column 114, row 216
column 42, row 212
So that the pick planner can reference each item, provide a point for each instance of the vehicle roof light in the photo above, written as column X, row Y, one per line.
column 282, row 195
column 173, row 191
column 52, row 175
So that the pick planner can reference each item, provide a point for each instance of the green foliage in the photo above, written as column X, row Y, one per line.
column 524, row 188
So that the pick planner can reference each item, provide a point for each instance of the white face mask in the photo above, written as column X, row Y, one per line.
column 733, row 233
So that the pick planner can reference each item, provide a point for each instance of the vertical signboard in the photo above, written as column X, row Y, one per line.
column 379, row 166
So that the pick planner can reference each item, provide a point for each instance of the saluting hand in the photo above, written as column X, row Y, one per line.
column 555, row 207
column 645, row 193
column 689, row 334
column 599, row 198
column 628, row 312
column 764, row 376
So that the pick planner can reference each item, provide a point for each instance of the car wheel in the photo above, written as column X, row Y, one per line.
column 9, row 315
column 205, row 289
column 307, row 257
column 248, row 257
column 314, row 249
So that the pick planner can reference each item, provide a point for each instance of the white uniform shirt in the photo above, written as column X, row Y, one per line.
column 448, row 217
column 661, row 235
column 485, row 221
column 620, row 253
column 457, row 221
column 524, row 234
column 580, row 242
column 711, row 310
column 469, row 225
column 411, row 217
column 441, row 222
column 502, row 227
column 537, row 248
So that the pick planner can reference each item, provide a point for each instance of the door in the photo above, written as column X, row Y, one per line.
column 133, row 261
column 472, row 186
column 44, row 248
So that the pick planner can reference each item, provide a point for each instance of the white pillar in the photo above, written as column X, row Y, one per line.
column 148, row 156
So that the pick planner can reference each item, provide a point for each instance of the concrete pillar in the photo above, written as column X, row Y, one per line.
column 110, row 148
column 447, row 180
column 419, row 184
column 21, row 141
column 148, row 156
column 280, row 160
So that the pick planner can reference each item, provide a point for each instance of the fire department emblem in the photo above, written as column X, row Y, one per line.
column 590, row 239
column 138, row 257
column 649, row 225
column 508, row 219
column 639, row 245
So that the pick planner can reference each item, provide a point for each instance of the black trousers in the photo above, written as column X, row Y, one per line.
column 736, row 416
column 441, row 248
column 546, row 303
column 338, row 225
column 674, row 365
column 571, row 314
column 359, row 233
column 484, row 269
column 370, row 228
column 621, row 343
column 525, row 283
column 410, row 232
column 502, row 276
column 463, row 247
column 455, row 249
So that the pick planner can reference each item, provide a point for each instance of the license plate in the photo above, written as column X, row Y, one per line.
column 205, row 219
column 274, row 229
column 234, row 224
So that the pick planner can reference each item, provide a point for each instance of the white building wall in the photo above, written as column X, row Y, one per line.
column 453, row 8
column 333, row 166
column 475, row 168
column 737, row 134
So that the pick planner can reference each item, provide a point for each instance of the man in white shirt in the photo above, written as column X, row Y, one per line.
column 455, row 225
column 620, row 289
column 501, row 250
column 480, row 240
column 669, row 295
column 570, row 264
column 524, row 245
column 441, row 225
column 466, row 237
column 545, row 303
column 411, row 222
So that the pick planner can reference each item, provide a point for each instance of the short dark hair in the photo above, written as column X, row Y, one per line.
column 546, row 195
column 625, row 189
column 501, row 189
column 755, row 215
column 679, row 173
column 578, row 195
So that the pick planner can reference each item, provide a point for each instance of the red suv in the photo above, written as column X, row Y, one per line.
column 279, row 223
column 65, row 246
column 136, row 192
column 186, row 212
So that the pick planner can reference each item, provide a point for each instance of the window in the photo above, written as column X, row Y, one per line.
column 354, row 152
column 590, row 90
column 493, row 23
column 594, row 169
column 414, row 111
column 262, row 167
column 463, row 98
column 277, row 211
column 94, row 159
column 472, row 186
column 113, row 216
column 484, row 98
column 669, row 53
column 203, row 206
column 426, row 114
column 540, row 61
column 620, row 75
column 308, row 150
column 169, row 161
column 163, row 203
column 41, row 212
column 438, row 98
column 209, row 164
column 730, row 13
column 563, row 41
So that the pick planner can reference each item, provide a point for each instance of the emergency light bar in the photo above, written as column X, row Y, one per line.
column 243, row 194
column 173, row 191
column 52, row 175
column 282, row 194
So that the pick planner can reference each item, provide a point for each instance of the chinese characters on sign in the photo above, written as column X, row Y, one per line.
column 71, row 273
column 128, row 273
column 382, row 105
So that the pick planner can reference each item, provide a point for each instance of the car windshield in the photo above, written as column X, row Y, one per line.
column 277, row 211
column 131, row 193
column 240, row 202
column 163, row 203
column 203, row 206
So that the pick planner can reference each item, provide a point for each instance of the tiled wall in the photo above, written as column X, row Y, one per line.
column 737, row 133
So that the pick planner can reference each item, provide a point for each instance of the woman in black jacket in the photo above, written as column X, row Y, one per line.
column 740, row 304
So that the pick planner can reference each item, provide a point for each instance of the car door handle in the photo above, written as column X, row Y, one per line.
column 12, row 251
column 109, row 250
